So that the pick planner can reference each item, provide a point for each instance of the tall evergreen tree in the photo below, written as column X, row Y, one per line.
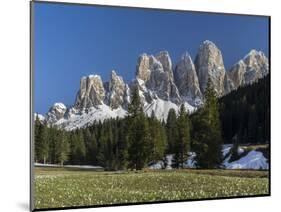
column 138, row 135
column 182, row 146
column 252, row 125
column 208, row 141
column 171, row 131
column 78, row 149
column 36, row 138
column 62, row 148
column 42, row 143
column 90, row 146
column 157, row 139
column 122, row 144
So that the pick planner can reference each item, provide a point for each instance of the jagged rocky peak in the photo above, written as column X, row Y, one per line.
column 256, row 62
column 155, row 73
column 236, row 74
column 228, row 84
column 91, row 92
column 56, row 112
column 253, row 67
column 164, row 58
column 143, row 67
column 116, row 91
column 209, row 65
column 187, row 81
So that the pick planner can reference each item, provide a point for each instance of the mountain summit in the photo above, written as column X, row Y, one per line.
column 162, row 86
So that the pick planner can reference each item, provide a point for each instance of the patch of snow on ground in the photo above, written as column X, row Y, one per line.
column 190, row 163
column 226, row 148
column 158, row 165
column 68, row 166
column 253, row 160
column 169, row 159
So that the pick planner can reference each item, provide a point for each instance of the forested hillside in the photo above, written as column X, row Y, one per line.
column 132, row 142
column 245, row 113
column 136, row 140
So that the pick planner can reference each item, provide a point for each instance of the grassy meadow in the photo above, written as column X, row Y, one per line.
column 56, row 187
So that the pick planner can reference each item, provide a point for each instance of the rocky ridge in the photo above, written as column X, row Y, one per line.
column 161, row 85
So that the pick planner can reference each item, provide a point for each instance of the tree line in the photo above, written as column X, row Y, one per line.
column 136, row 140
column 245, row 113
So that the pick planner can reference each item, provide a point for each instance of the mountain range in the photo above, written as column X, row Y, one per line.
column 161, row 85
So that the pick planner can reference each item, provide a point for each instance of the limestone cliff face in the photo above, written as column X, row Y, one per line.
column 157, row 75
column 248, row 70
column 56, row 112
column 187, row 81
column 209, row 65
column 91, row 92
column 116, row 92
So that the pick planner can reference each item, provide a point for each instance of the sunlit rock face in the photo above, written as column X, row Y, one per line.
column 56, row 112
column 91, row 92
column 187, row 81
column 248, row 70
column 209, row 65
column 116, row 91
column 157, row 75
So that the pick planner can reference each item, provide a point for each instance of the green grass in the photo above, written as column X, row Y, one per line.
column 65, row 188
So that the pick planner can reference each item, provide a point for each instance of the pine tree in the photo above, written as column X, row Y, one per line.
column 157, row 139
column 122, row 144
column 52, row 144
column 36, row 138
column 42, row 143
column 252, row 125
column 138, row 135
column 208, row 139
column 78, row 149
column 62, row 147
column 172, row 131
column 135, row 107
column 101, row 153
column 182, row 146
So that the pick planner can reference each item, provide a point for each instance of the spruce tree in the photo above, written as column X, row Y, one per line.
column 122, row 144
column 182, row 146
column 138, row 135
column 157, row 139
column 78, row 149
column 208, row 139
column 62, row 148
column 172, row 131
column 37, row 126
column 42, row 143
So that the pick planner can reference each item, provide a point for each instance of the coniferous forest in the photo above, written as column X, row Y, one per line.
column 242, row 116
column 245, row 114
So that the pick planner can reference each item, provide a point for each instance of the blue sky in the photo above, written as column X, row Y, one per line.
column 71, row 41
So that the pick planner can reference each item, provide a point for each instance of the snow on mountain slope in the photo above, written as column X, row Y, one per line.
column 40, row 117
column 100, row 113
column 161, row 108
